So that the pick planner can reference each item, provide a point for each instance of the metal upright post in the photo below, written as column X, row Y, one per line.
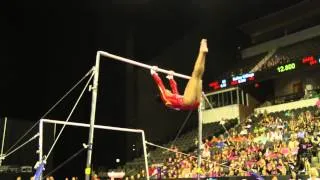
column 199, row 136
column 40, row 150
column 247, row 99
column 94, row 90
column 3, row 138
column 145, row 154
column 242, row 97
column 238, row 98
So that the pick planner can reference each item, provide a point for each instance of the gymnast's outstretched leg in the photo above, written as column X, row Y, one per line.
column 193, row 90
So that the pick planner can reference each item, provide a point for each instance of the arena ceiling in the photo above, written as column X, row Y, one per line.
column 171, row 18
column 45, row 32
column 176, row 18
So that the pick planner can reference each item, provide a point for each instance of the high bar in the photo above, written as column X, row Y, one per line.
column 95, row 126
column 135, row 63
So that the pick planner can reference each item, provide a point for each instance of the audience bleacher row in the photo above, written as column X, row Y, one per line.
column 284, row 143
column 186, row 143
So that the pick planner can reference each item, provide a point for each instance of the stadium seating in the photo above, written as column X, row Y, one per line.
column 259, row 123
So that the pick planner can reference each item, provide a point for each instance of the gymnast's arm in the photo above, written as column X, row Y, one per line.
column 158, row 80
column 173, row 83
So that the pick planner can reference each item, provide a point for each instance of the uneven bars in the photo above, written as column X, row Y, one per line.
column 95, row 126
column 135, row 63
column 104, row 127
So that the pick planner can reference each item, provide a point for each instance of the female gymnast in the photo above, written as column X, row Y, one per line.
column 192, row 94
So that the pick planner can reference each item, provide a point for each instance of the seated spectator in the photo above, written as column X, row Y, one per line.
column 270, row 147
column 314, row 175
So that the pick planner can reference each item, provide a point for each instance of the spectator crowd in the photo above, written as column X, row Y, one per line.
column 274, row 144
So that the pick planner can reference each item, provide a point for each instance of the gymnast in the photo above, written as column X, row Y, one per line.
column 191, row 97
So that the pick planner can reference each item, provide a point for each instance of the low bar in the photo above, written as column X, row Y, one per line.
column 95, row 126
column 101, row 127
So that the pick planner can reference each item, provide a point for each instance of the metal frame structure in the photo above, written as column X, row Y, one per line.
column 94, row 102
column 55, row 122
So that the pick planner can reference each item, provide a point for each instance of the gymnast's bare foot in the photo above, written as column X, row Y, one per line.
column 203, row 46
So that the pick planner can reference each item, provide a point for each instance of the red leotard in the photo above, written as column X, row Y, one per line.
column 173, row 100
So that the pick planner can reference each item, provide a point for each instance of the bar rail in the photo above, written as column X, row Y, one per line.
column 135, row 63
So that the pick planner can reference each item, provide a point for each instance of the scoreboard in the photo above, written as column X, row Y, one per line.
column 295, row 65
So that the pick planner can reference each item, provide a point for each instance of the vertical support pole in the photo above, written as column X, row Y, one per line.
column 40, row 143
column 145, row 154
column 3, row 138
column 231, row 97
column 238, row 96
column 247, row 98
column 199, row 136
column 94, row 90
column 54, row 131
column 222, row 99
column 242, row 97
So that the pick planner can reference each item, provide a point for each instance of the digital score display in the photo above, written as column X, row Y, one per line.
column 242, row 79
column 311, row 60
column 218, row 85
column 236, row 80
column 308, row 60
column 287, row 67
column 305, row 62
